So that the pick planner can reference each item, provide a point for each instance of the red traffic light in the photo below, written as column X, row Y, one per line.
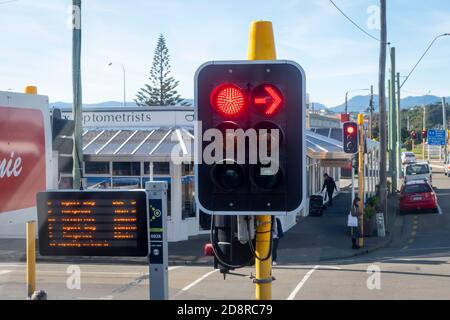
column 267, row 99
column 351, row 130
column 228, row 100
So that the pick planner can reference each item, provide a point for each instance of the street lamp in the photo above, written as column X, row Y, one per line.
column 124, row 84
column 423, row 55
column 346, row 97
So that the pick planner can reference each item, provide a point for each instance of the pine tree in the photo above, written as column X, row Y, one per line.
column 161, row 91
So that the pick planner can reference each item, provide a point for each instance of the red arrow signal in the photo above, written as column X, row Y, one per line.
column 267, row 99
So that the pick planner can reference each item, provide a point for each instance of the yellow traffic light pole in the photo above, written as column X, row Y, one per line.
column 262, row 47
column 361, row 178
column 31, row 257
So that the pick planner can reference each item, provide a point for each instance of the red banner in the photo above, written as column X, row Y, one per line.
column 22, row 158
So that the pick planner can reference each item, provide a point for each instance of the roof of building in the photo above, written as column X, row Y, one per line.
column 160, row 143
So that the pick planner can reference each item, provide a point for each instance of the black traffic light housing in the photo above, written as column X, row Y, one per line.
column 243, row 95
column 62, row 141
column 424, row 134
column 350, row 138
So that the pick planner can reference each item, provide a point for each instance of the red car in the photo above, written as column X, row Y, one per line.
column 418, row 195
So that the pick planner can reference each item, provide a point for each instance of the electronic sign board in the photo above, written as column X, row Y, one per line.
column 93, row 223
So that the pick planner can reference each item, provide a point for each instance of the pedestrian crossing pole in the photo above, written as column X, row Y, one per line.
column 361, row 178
column 262, row 47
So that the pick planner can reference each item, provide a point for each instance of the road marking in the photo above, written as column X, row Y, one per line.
column 193, row 284
column 7, row 265
column 405, row 248
column 3, row 272
column 302, row 283
column 175, row 268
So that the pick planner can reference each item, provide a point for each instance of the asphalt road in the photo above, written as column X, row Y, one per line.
column 415, row 266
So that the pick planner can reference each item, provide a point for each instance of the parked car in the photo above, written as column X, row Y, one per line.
column 447, row 168
column 408, row 157
column 418, row 171
column 418, row 195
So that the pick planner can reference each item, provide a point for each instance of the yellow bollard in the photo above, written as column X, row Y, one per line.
column 262, row 47
column 31, row 258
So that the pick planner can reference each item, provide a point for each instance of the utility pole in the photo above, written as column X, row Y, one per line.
column 399, row 131
column 423, row 129
column 371, row 113
column 346, row 102
column 77, row 95
column 444, row 118
column 389, row 129
column 382, row 103
column 393, row 124
column 361, row 177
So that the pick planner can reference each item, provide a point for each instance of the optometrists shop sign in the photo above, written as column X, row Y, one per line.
column 135, row 118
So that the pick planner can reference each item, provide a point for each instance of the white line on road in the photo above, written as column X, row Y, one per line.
column 302, row 283
column 3, row 272
column 193, row 284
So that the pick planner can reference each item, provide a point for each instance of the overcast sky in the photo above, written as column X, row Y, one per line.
column 36, row 43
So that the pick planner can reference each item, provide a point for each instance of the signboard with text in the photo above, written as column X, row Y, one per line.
column 136, row 118
column 22, row 157
column 92, row 223
column 436, row 137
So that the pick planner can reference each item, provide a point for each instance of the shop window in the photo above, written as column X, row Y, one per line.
column 187, row 197
column 159, row 168
column 126, row 183
column 97, row 167
column 98, row 183
column 126, row 169
column 188, row 169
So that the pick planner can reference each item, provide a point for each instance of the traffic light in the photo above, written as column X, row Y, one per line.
column 250, row 137
column 424, row 134
column 350, row 141
column 62, row 141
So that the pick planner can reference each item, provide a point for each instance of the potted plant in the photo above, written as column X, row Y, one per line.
column 370, row 211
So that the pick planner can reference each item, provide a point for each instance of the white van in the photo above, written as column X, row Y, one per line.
column 418, row 171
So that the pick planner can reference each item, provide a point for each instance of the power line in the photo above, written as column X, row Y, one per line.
column 353, row 22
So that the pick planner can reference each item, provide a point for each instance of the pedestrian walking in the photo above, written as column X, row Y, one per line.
column 330, row 185
column 353, row 223
column 277, row 234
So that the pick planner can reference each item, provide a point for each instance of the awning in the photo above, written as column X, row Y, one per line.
column 157, row 144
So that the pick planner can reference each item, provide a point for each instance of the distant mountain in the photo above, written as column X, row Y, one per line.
column 105, row 104
column 318, row 106
column 361, row 103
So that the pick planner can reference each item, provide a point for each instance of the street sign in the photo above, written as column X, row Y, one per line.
column 436, row 137
column 92, row 223
column 251, row 150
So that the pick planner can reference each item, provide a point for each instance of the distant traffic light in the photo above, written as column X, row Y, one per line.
column 258, row 108
column 413, row 135
column 350, row 140
column 62, row 134
column 424, row 134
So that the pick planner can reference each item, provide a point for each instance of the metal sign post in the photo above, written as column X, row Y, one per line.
column 158, row 255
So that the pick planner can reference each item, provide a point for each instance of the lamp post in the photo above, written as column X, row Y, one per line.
column 124, row 84
column 423, row 55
